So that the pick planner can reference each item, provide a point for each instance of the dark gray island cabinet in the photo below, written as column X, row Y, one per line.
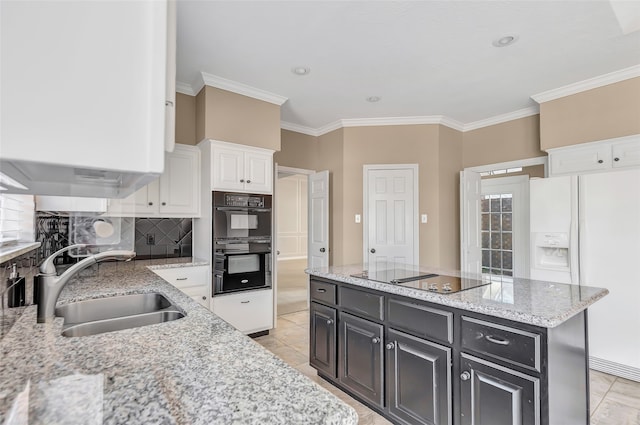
column 420, row 362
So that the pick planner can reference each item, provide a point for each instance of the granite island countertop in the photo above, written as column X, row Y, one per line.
column 539, row 303
column 195, row 370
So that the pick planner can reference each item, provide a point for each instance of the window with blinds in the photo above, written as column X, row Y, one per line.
column 16, row 219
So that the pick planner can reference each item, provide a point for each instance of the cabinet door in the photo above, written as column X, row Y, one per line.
column 495, row 395
column 141, row 203
column 361, row 357
column 576, row 160
column 258, row 172
column 418, row 380
column 626, row 154
column 228, row 168
column 322, row 346
column 180, row 183
column 248, row 311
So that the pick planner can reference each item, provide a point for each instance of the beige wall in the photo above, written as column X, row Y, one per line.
column 450, row 164
column 406, row 144
column 297, row 150
column 597, row 114
column 185, row 119
column 508, row 141
column 230, row 117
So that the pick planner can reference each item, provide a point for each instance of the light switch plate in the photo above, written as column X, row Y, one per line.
column 358, row 218
column 423, row 218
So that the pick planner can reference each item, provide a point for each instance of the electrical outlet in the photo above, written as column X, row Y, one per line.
column 151, row 239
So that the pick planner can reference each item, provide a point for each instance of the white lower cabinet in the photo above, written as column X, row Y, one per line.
column 247, row 311
column 193, row 281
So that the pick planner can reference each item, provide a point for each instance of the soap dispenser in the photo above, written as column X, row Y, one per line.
column 16, row 288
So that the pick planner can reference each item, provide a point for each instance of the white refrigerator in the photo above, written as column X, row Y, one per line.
column 585, row 230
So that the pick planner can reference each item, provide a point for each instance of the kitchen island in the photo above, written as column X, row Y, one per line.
column 194, row 370
column 500, row 351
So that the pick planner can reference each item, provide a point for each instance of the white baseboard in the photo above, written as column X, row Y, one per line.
column 613, row 368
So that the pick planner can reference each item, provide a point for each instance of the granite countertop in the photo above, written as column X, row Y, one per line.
column 544, row 304
column 195, row 370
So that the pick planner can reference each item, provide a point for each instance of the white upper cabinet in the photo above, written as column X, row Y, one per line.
column 70, row 204
column 175, row 194
column 241, row 168
column 87, row 94
column 622, row 152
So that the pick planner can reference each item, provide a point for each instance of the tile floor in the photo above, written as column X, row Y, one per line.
column 614, row 401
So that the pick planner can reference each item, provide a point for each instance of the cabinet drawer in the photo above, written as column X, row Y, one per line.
column 502, row 342
column 361, row 302
column 323, row 291
column 421, row 320
column 183, row 277
column 248, row 311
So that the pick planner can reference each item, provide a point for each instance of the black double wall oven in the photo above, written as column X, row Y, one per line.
column 241, row 242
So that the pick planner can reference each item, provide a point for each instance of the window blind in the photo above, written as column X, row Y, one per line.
column 17, row 213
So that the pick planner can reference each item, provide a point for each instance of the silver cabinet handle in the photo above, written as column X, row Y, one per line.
column 329, row 322
column 248, row 181
column 181, row 278
column 375, row 340
column 373, row 250
column 321, row 290
column 495, row 340
column 465, row 376
column 391, row 346
column 150, row 203
column 164, row 203
column 600, row 161
column 241, row 180
column 204, row 297
column 322, row 250
column 616, row 159
column 245, row 302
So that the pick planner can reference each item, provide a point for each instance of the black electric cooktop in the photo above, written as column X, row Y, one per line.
column 431, row 282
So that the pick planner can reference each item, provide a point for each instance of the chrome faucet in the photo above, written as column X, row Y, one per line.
column 50, row 284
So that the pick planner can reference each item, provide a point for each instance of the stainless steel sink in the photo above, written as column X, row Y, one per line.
column 120, row 323
column 101, row 315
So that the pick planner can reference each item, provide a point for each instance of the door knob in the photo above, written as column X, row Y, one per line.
column 373, row 250
column 322, row 249
column 465, row 376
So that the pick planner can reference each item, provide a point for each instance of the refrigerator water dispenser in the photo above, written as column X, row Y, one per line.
column 551, row 251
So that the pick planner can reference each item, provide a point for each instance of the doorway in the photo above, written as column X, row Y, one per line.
column 291, row 228
column 390, row 231
column 494, row 217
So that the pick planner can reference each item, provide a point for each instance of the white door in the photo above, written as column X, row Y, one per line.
column 470, row 244
column 391, row 214
column 318, row 236
column 504, row 232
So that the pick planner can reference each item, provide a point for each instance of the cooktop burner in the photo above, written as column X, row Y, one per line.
column 431, row 282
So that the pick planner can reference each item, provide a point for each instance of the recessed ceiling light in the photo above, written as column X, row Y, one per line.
column 301, row 70
column 505, row 41
column 373, row 99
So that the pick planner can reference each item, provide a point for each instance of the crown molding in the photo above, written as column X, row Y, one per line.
column 185, row 88
column 243, row 89
column 332, row 126
column 591, row 83
column 299, row 128
column 498, row 119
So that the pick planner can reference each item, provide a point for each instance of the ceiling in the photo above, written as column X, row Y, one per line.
column 422, row 58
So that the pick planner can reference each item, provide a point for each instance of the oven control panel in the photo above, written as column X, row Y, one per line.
column 240, row 200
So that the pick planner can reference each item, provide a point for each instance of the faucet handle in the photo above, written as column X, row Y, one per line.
column 47, row 267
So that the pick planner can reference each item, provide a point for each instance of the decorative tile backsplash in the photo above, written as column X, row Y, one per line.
column 154, row 237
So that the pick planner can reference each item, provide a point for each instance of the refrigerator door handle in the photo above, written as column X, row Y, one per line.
column 574, row 250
